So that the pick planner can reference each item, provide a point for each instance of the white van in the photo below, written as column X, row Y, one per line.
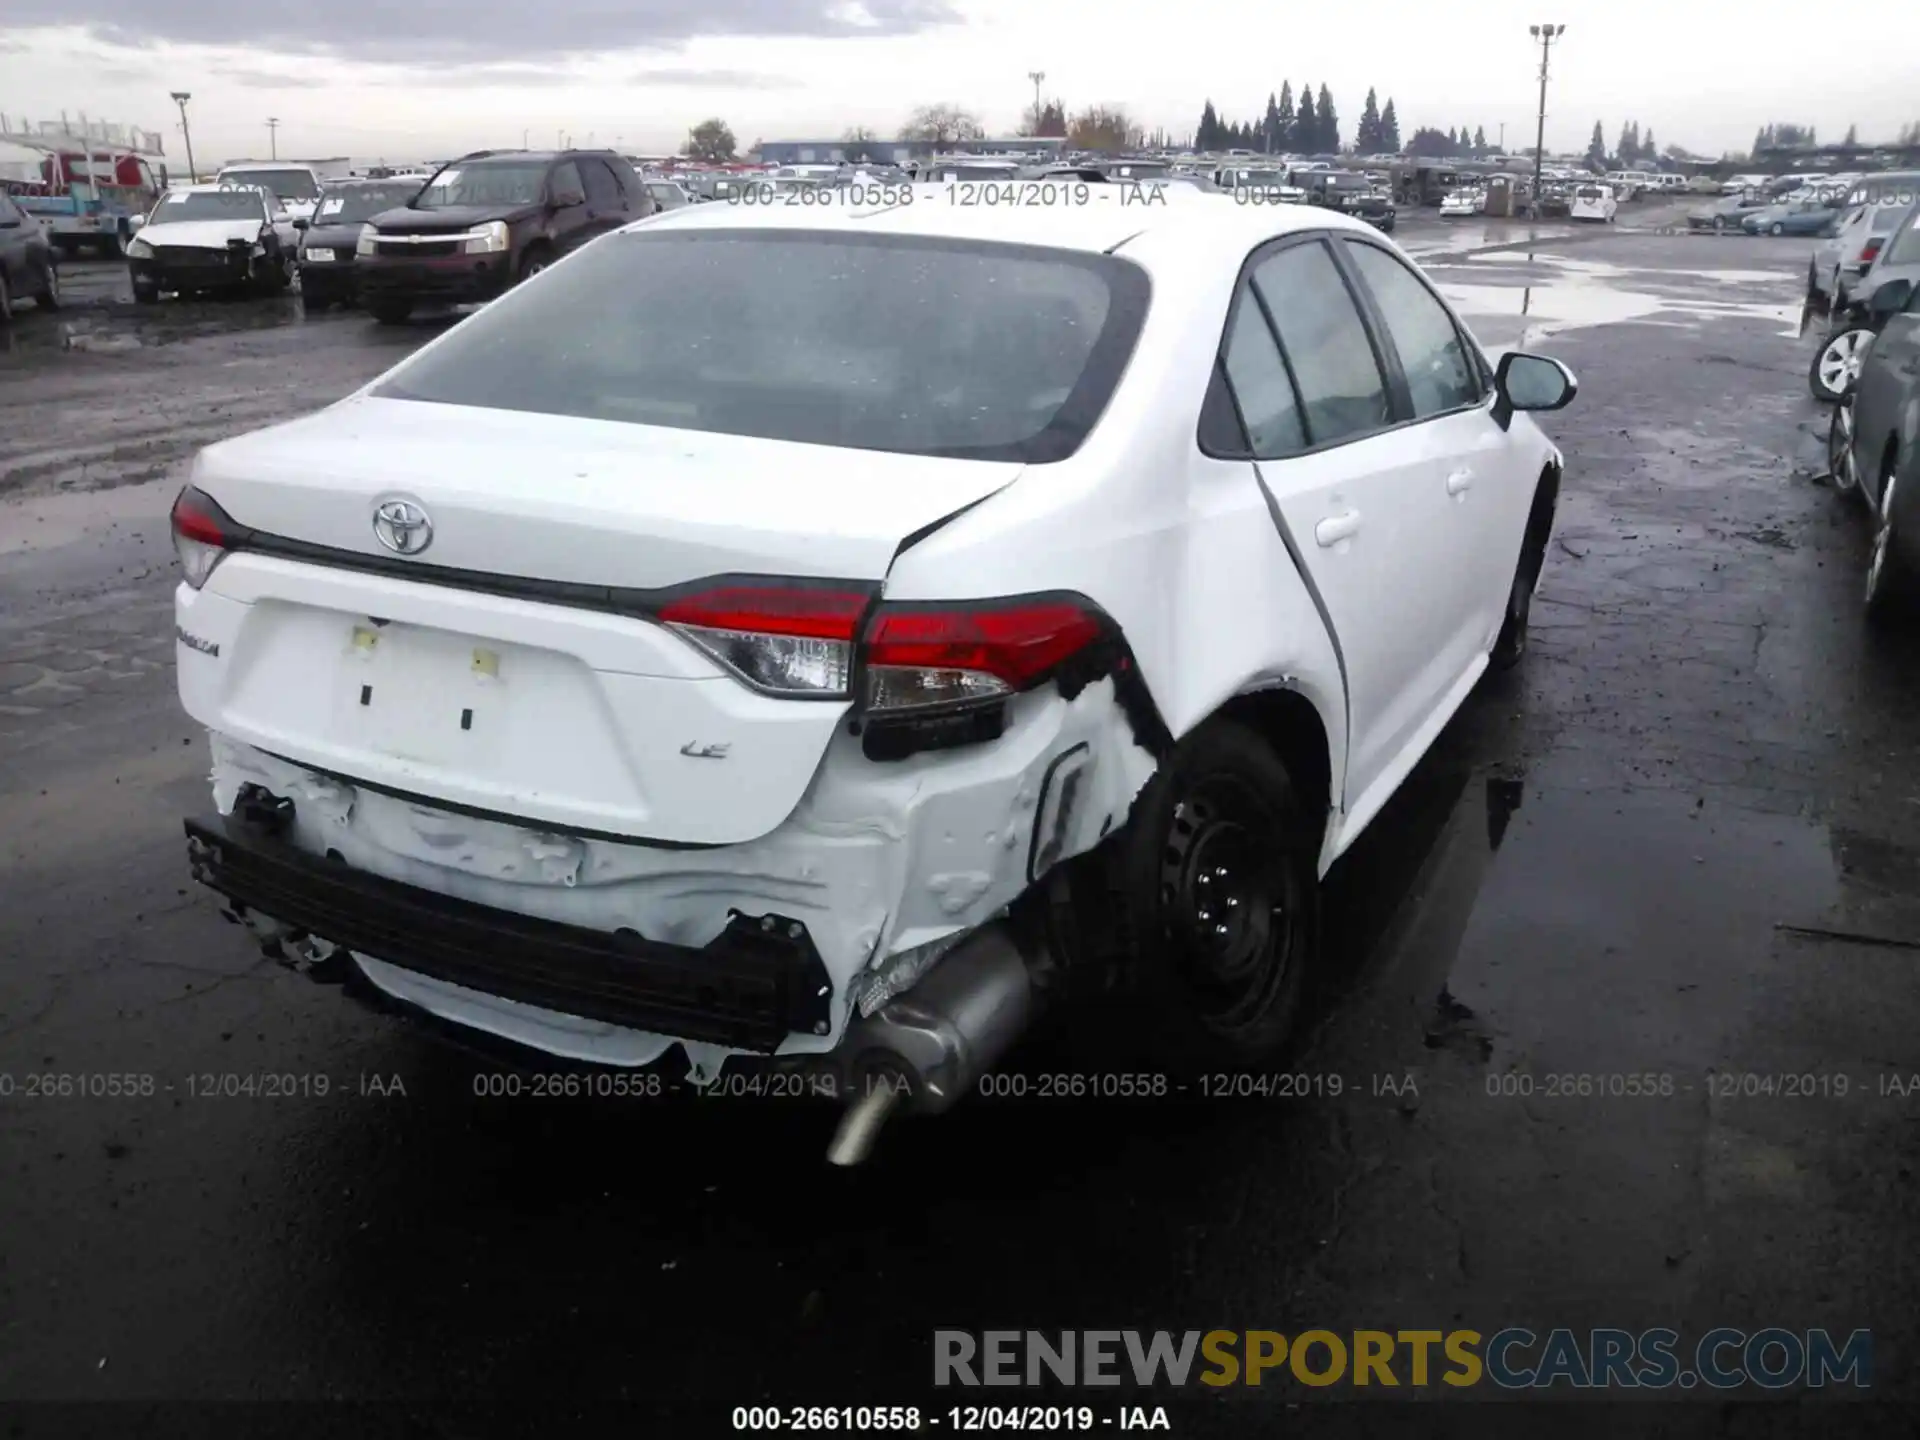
column 1592, row 201
column 296, row 186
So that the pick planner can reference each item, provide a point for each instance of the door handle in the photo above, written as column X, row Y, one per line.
column 1459, row 482
column 1335, row 528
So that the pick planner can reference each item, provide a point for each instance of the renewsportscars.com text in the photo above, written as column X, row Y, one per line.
column 1511, row 1359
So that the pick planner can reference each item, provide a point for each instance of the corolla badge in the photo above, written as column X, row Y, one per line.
column 402, row 526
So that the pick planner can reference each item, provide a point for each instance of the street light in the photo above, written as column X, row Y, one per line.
column 180, row 98
column 1036, row 76
column 273, row 139
column 1546, row 35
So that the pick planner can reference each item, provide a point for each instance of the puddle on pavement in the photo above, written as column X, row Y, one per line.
column 1553, row 294
column 110, row 333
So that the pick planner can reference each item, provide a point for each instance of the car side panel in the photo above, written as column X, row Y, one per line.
column 1884, row 397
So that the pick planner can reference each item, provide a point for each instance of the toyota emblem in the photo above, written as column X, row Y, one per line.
column 402, row 526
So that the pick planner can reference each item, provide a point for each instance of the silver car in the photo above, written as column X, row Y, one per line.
column 1874, row 208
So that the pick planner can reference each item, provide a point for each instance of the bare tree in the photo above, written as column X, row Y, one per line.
column 861, row 145
column 942, row 125
column 1105, row 129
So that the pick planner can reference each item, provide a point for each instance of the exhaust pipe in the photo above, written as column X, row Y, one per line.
column 935, row 1041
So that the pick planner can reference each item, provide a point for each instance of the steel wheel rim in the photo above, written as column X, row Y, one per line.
column 53, row 283
column 1837, row 359
column 1882, row 541
column 535, row 267
column 1231, row 901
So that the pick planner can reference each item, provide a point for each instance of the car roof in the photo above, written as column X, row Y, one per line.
column 1194, row 222
column 214, row 187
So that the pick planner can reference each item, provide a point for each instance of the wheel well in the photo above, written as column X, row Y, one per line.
column 1288, row 722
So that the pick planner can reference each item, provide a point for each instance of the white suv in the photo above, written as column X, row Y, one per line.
column 808, row 641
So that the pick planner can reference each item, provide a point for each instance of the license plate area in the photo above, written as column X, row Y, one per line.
column 423, row 695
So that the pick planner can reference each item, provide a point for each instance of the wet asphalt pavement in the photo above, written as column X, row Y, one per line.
column 1643, row 854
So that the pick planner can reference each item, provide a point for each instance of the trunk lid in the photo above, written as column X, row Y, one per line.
column 565, row 717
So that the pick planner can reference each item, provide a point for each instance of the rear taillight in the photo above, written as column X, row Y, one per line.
column 203, row 533
column 1870, row 251
column 917, row 655
column 787, row 639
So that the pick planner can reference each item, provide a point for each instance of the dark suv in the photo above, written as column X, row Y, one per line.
column 1350, row 193
column 488, row 220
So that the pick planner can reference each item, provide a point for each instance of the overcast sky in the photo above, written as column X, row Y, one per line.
column 420, row 79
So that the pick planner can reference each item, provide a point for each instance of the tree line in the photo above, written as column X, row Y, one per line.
column 1307, row 126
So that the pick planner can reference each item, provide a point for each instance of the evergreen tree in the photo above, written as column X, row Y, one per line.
column 1329, row 123
column 1479, row 139
column 1390, row 128
column 1648, row 149
column 1853, row 135
column 1597, row 148
column 1286, row 117
column 1306, row 124
column 1207, row 137
column 1270, row 125
column 1366, row 139
column 1453, row 141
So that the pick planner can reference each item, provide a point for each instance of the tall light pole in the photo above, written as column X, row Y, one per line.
column 1546, row 35
column 273, row 138
column 1036, row 76
column 180, row 98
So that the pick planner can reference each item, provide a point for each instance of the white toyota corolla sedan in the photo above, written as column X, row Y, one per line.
column 799, row 642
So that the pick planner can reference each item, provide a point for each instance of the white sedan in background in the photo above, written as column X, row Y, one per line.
column 751, row 643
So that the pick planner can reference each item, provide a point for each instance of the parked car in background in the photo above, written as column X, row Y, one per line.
column 1464, row 202
column 29, row 269
column 296, row 186
column 666, row 194
column 767, row 677
column 1853, row 321
column 1349, row 193
column 224, row 236
column 1726, row 214
column 327, row 243
column 490, row 220
column 1592, row 202
column 1740, row 184
column 1811, row 216
column 1845, row 255
column 1873, row 446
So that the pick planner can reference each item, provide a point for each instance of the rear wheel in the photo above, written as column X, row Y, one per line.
column 146, row 294
column 1776, row 228
column 390, row 312
column 1832, row 368
column 6, row 300
column 49, row 298
column 1890, row 585
column 1215, row 886
column 1840, row 463
column 1719, row 224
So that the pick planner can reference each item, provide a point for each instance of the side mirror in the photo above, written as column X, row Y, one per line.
column 300, row 222
column 568, row 199
column 1890, row 298
column 1530, row 382
column 134, row 222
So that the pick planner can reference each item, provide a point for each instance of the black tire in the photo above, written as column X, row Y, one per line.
column 146, row 295
column 49, row 296
column 1510, row 645
column 6, row 301
column 1828, row 375
column 1813, row 283
column 1840, row 463
column 1776, row 228
column 1890, row 584
column 1214, row 889
column 390, row 312
column 537, row 258
column 1719, row 224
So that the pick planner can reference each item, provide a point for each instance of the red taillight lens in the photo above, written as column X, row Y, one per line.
column 791, row 640
column 1870, row 251
column 922, row 655
column 203, row 533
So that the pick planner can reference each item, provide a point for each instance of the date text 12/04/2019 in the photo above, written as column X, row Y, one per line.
column 962, row 1419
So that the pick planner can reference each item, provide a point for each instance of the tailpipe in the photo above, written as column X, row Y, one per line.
column 931, row 1045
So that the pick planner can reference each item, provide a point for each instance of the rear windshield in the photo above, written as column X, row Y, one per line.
column 1346, row 182
column 287, row 184
column 361, row 202
column 874, row 342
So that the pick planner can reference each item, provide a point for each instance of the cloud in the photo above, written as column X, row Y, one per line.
column 688, row 78
column 523, row 77
column 266, row 79
column 12, row 47
column 445, row 35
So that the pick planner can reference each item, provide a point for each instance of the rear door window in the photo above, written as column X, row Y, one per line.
column 1269, row 409
column 1343, row 392
column 603, row 188
column 566, row 180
